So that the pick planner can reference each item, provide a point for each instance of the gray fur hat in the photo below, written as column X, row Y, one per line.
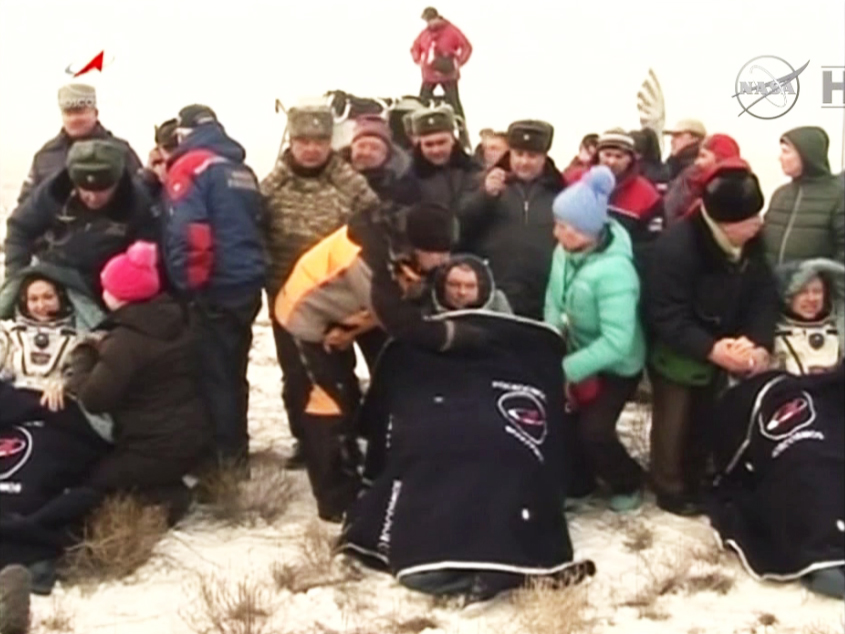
column 793, row 276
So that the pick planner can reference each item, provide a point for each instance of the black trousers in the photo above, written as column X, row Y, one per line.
column 329, row 441
column 225, row 340
column 604, row 456
column 450, row 92
column 295, row 382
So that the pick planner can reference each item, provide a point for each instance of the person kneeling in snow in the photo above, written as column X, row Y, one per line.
column 809, row 336
column 144, row 374
column 465, row 282
column 779, row 500
column 48, row 443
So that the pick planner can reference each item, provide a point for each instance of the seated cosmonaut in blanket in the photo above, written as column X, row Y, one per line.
column 779, row 500
column 48, row 442
column 465, row 462
column 809, row 336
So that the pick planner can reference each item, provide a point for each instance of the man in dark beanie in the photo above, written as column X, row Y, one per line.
column 509, row 221
column 82, row 216
column 215, row 258
column 440, row 50
column 447, row 175
column 711, row 305
column 80, row 121
column 311, row 192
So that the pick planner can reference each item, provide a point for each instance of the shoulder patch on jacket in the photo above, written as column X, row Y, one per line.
column 181, row 174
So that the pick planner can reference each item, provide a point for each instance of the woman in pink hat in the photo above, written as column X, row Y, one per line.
column 143, row 374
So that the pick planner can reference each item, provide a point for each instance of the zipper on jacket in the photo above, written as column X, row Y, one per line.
column 790, row 224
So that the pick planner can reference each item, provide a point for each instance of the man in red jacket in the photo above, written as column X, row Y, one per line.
column 440, row 51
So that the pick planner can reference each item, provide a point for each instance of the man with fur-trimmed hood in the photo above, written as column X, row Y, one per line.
column 508, row 222
column 311, row 192
column 810, row 337
column 465, row 282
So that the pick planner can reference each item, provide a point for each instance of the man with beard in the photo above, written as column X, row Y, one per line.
column 447, row 175
column 80, row 121
column 310, row 193
column 509, row 221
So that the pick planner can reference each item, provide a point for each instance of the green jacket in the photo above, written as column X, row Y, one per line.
column 594, row 299
column 806, row 218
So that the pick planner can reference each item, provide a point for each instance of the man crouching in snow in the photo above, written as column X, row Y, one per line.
column 373, row 273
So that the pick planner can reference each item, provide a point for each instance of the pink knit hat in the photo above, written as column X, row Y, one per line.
column 133, row 276
column 372, row 125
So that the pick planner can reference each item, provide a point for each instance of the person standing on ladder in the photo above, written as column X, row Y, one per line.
column 440, row 51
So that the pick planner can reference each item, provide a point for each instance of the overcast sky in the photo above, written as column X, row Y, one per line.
column 578, row 65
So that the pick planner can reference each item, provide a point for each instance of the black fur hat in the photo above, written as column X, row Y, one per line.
column 732, row 195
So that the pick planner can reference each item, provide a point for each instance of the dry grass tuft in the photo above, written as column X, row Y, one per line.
column 638, row 536
column 823, row 628
column 380, row 625
column 767, row 620
column 266, row 496
column 57, row 620
column 317, row 566
column 666, row 575
column 543, row 607
column 219, row 608
column 118, row 539
column 713, row 581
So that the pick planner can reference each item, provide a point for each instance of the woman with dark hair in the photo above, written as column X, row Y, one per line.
column 583, row 161
column 48, row 443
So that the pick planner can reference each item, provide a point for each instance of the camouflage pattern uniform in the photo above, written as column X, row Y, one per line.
column 301, row 211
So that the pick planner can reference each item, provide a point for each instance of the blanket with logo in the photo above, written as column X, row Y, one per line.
column 466, row 460
column 780, row 497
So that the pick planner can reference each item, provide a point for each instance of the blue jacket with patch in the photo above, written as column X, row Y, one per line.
column 212, row 238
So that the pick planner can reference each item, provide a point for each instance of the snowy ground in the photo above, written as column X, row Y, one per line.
column 162, row 596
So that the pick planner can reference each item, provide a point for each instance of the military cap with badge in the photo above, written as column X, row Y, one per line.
column 96, row 164
column 433, row 121
column 310, row 122
column 530, row 135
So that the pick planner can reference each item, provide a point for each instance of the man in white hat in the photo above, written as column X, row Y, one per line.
column 80, row 120
column 686, row 138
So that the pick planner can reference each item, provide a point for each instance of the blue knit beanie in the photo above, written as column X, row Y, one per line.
column 583, row 206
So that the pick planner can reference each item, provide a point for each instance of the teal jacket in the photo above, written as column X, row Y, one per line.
column 594, row 300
